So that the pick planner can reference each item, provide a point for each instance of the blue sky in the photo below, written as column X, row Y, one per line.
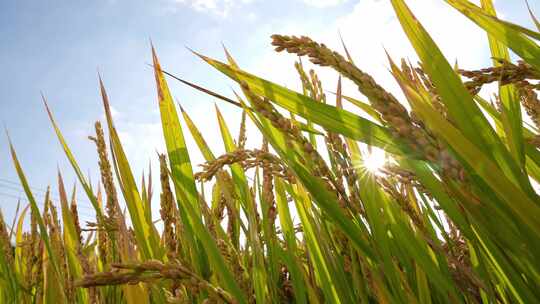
column 58, row 46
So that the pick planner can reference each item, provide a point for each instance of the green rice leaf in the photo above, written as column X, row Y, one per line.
column 329, row 117
column 460, row 105
column 145, row 233
column 41, row 224
column 511, row 35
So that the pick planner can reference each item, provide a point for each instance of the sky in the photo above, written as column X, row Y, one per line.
column 58, row 47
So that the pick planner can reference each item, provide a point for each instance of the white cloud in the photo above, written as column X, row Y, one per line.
column 141, row 140
column 252, row 17
column 219, row 7
column 323, row 3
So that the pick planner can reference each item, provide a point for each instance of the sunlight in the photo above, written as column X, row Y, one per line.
column 374, row 161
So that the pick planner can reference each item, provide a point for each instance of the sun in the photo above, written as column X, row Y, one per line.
column 374, row 160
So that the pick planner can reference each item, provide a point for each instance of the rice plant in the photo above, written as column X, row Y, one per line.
column 452, row 217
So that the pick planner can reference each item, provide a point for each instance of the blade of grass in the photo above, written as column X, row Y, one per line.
column 511, row 35
column 331, row 118
column 511, row 110
column 71, row 240
column 145, row 233
column 41, row 224
column 184, row 182
column 260, row 276
column 313, row 184
column 467, row 116
column 86, row 185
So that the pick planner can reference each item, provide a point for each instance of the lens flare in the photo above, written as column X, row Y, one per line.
column 374, row 161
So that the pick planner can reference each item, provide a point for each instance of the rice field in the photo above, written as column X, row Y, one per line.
column 429, row 198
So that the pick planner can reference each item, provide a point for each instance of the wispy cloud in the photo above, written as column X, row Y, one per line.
column 218, row 7
column 323, row 3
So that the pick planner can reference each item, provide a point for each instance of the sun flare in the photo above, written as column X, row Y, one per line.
column 374, row 161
